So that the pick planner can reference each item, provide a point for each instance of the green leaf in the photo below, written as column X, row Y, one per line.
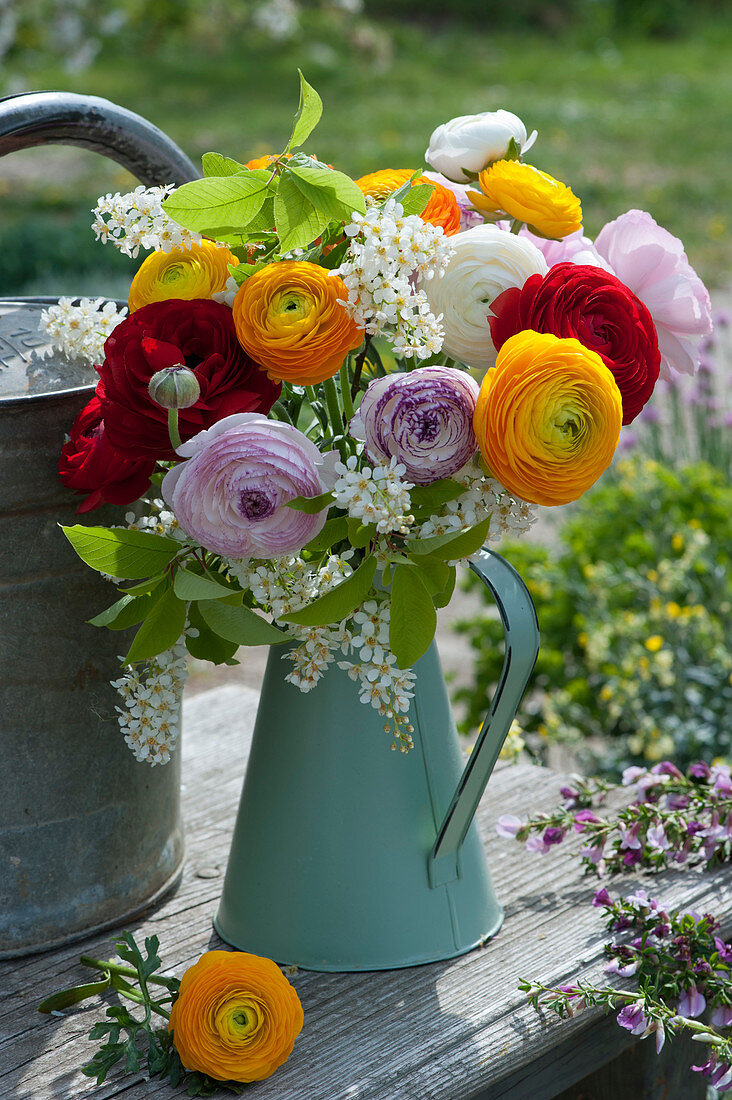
column 333, row 193
column 195, row 586
column 207, row 646
column 434, row 572
column 297, row 220
column 308, row 114
column 240, row 624
column 219, row 202
column 360, row 534
column 401, row 193
column 452, row 547
column 137, row 610
column 334, row 530
column 436, row 493
column 442, row 599
column 413, row 618
column 417, row 198
column 216, row 164
column 161, row 629
column 336, row 605
column 67, row 997
column 130, row 555
column 243, row 272
column 311, row 505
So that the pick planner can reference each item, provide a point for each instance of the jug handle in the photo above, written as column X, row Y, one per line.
column 65, row 118
column 521, row 632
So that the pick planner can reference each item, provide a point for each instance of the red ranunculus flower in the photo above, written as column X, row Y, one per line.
column 199, row 333
column 598, row 310
column 90, row 464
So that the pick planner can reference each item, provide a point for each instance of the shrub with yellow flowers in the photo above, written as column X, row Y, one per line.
column 635, row 613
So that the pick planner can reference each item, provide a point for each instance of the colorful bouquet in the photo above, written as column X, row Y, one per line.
column 328, row 392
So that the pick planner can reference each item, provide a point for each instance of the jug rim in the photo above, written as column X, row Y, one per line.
column 19, row 400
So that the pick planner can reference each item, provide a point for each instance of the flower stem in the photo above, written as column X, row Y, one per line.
column 360, row 360
column 173, row 428
column 126, row 971
column 346, row 390
column 336, row 416
column 516, row 226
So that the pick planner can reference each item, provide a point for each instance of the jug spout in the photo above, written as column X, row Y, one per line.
column 521, row 633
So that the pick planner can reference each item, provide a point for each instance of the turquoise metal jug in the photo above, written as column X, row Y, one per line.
column 348, row 857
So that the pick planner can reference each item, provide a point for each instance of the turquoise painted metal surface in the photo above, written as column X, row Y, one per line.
column 347, row 856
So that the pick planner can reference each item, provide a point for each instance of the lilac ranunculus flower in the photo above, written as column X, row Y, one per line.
column 652, row 263
column 423, row 418
column 231, row 493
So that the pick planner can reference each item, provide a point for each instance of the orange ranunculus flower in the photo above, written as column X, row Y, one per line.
column 442, row 208
column 236, row 1017
column 529, row 195
column 548, row 417
column 288, row 318
column 265, row 161
column 190, row 271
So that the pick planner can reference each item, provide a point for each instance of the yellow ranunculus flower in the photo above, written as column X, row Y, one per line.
column 548, row 417
column 190, row 271
column 288, row 318
column 523, row 192
column 236, row 1017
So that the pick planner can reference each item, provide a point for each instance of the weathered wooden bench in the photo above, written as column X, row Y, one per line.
column 440, row 1032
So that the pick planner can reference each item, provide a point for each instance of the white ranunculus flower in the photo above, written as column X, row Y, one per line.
column 475, row 141
column 486, row 261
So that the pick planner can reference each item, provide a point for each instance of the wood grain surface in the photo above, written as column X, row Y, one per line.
column 445, row 1031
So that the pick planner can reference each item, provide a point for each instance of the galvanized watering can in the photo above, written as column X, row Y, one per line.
column 349, row 857
column 88, row 836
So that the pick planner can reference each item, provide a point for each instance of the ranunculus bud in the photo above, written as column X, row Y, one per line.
column 472, row 142
column 174, row 388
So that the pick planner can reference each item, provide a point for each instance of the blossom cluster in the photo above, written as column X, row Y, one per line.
column 389, row 252
column 136, row 220
column 375, row 494
column 673, row 819
column 80, row 331
column 150, row 715
column 683, row 969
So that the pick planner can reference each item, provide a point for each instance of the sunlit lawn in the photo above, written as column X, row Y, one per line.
column 641, row 124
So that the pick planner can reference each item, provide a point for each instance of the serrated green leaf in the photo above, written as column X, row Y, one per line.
column 334, row 530
column 333, row 193
column 218, row 202
column 128, row 555
column 161, row 629
column 311, row 505
column 245, row 271
column 336, row 605
column 297, row 220
column 401, row 193
column 208, row 646
column 308, row 114
column 67, row 997
column 413, row 618
column 452, row 547
column 195, row 586
column 417, row 198
column 239, row 624
column 216, row 164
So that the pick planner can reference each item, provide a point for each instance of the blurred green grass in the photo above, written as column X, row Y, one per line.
column 636, row 123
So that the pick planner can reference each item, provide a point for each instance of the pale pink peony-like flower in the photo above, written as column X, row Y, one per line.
column 652, row 263
column 231, row 494
column 575, row 248
column 423, row 418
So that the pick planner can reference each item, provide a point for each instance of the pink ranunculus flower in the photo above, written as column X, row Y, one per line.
column 575, row 248
column 652, row 263
column 423, row 418
column 231, row 494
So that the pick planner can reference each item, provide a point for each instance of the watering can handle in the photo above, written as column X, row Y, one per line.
column 521, row 631
column 65, row 118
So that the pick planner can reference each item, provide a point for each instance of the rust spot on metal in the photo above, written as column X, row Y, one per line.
column 87, row 675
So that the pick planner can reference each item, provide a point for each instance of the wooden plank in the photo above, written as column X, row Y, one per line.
column 439, row 1032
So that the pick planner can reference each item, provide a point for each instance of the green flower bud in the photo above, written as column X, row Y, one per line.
column 174, row 388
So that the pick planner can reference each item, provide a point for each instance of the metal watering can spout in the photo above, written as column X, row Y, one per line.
column 65, row 118
column 521, row 631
